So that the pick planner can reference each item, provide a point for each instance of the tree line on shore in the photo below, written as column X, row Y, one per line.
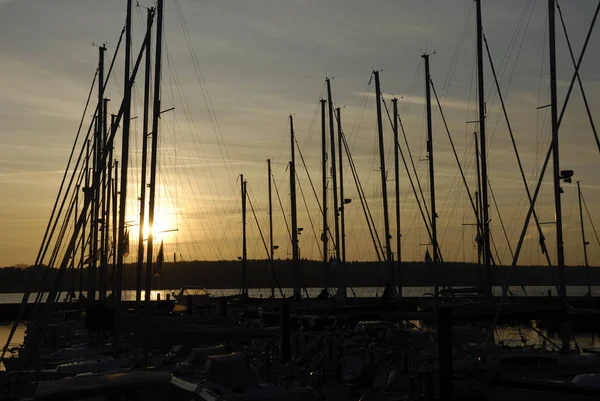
column 228, row 274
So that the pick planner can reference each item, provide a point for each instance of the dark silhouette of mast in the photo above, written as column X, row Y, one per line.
column 583, row 241
column 140, row 256
column 295, row 252
column 123, row 190
column 397, row 190
column 271, row 249
column 434, row 242
column 391, row 285
column 85, row 195
column 109, row 207
column 342, row 243
column 95, row 191
column 555, row 154
column 244, row 272
column 115, row 210
column 333, row 171
column 104, row 208
column 483, row 154
column 324, row 236
column 479, row 203
column 154, row 136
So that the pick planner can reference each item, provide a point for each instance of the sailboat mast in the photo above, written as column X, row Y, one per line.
column 434, row 241
column 109, row 207
column 271, row 250
column 295, row 252
column 96, row 167
column 391, row 284
column 583, row 241
column 104, row 208
column 336, row 215
column 244, row 273
column 123, row 189
column 142, row 220
column 344, row 272
column 115, row 209
column 85, row 195
column 154, row 136
column 479, row 203
column 324, row 236
column 397, row 190
column 487, row 255
column 555, row 153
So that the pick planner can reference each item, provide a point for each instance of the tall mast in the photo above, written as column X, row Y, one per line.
column 108, row 216
column 391, row 284
column 118, row 279
column 487, row 255
column 115, row 209
column 324, row 236
column 555, row 155
column 434, row 242
column 142, row 221
column 105, row 205
column 397, row 188
column 479, row 203
column 96, row 190
column 155, row 117
column 85, row 195
column 244, row 273
column 583, row 241
column 271, row 250
column 295, row 252
column 93, row 194
column 333, row 171
column 344, row 273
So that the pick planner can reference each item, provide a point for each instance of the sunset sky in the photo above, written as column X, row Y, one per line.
column 235, row 70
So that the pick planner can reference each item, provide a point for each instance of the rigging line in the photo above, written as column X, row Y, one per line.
column 562, row 113
column 361, row 112
column 65, row 223
column 462, row 174
column 495, row 249
column 426, row 221
column 282, row 210
column 200, row 151
column 412, row 162
column 590, row 218
column 501, row 221
column 43, row 249
column 510, row 48
column 205, row 93
column 539, row 183
column 363, row 200
column 542, row 242
column 503, row 69
column 585, row 102
column 262, row 237
column 312, row 226
column 313, row 189
column 459, row 45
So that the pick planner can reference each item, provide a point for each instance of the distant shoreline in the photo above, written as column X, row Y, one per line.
column 227, row 274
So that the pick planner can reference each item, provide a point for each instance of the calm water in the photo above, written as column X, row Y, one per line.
column 15, row 298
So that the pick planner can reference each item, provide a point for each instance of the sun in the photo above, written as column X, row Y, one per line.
column 164, row 224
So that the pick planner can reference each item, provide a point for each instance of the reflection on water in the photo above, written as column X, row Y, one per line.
column 129, row 295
